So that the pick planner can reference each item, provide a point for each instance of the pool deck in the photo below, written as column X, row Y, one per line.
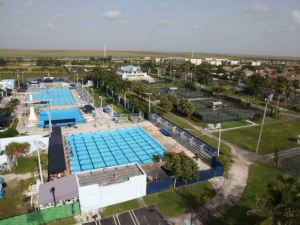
column 170, row 144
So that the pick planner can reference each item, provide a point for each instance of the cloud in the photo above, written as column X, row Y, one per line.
column 61, row 16
column 195, row 26
column 18, row 12
column 296, row 17
column 164, row 6
column 122, row 22
column 112, row 14
column 51, row 25
column 164, row 23
column 2, row 2
column 258, row 7
column 29, row 3
column 83, row 15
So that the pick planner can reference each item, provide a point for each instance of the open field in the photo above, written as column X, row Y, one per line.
column 14, row 202
column 171, row 203
column 174, row 203
column 99, row 53
column 260, row 175
column 280, row 136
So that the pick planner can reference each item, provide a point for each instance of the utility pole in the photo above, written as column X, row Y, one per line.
column 219, row 142
column 149, row 101
column 101, row 108
column 261, row 128
column 40, row 166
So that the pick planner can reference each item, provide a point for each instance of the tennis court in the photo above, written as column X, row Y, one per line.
column 100, row 149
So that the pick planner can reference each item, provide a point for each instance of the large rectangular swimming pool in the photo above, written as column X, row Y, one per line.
column 55, row 96
column 60, row 117
column 100, row 149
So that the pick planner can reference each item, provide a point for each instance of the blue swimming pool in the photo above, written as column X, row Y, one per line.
column 100, row 149
column 55, row 96
column 60, row 117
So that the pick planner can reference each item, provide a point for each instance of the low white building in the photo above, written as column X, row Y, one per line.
column 112, row 185
column 234, row 62
column 7, row 84
column 196, row 61
column 131, row 72
column 255, row 63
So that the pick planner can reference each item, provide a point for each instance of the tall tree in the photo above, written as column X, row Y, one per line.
column 187, row 107
column 14, row 150
column 166, row 104
column 255, row 83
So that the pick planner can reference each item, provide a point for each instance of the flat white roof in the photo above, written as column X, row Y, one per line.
column 109, row 175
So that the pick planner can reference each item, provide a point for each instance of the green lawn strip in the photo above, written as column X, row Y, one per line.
column 173, row 203
column 44, row 216
column 29, row 164
column 260, row 175
column 278, row 136
column 198, row 122
column 14, row 202
column 177, row 121
column 121, row 207
column 64, row 221
column 232, row 124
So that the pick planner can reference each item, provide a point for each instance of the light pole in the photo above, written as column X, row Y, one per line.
column 219, row 142
column 101, row 110
column 93, row 96
column 149, row 101
column 81, row 84
column 40, row 166
column 263, row 121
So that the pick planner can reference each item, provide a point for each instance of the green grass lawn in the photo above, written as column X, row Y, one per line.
column 14, row 202
column 29, row 164
column 260, row 175
column 173, row 203
column 278, row 136
column 232, row 124
column 177, row 121
column 118, row 208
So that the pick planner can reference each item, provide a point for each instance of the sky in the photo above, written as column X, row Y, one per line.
column 267, row 27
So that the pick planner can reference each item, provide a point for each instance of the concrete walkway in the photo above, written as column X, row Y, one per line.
column 229, row 190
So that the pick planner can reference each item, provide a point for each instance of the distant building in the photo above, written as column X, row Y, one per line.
column 196, row 61
column 157, row 60
column 255, row 63
column 234, row 62
column 7, row 85
column 248, row 72
column 215, row 62
column 131, row 72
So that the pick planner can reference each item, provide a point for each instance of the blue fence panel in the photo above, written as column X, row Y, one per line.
column 158, row 186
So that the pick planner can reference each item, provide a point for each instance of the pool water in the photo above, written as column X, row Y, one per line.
column 60, row 117
column 100, row 149
column 55, row 96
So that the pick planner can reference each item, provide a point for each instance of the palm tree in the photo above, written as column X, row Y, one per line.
column 282, row 206
column 280, row 88
column 255, row 83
